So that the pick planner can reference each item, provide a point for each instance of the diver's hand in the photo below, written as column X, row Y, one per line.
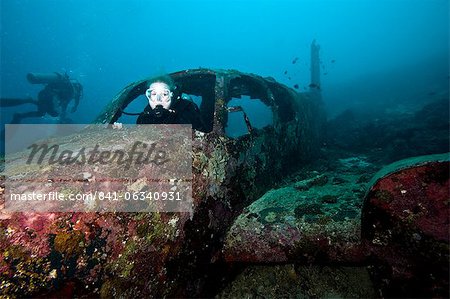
column 117, row 126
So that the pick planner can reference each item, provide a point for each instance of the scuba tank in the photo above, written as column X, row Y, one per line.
column 45, row 78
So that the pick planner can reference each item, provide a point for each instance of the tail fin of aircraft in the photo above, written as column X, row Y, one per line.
column 315, row 67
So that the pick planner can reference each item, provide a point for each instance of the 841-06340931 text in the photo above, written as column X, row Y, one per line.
column 97, row 195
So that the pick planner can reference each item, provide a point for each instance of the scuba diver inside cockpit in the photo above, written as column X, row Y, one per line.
column 167, row 106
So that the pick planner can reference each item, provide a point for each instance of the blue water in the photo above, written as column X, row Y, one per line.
column 374, row 53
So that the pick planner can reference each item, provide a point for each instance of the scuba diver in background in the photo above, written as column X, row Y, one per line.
column 166, row 107
column 53, row 99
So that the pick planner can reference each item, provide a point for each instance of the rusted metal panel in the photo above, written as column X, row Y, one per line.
column 405, row 225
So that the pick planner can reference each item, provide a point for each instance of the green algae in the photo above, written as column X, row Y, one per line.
column 272, row 215
column 23, row 275
column 69, row 243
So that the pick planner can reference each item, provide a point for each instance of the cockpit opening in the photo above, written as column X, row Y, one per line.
column 246, row 114
column 248, row 107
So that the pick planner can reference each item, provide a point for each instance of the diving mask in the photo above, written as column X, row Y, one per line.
column 159, row 94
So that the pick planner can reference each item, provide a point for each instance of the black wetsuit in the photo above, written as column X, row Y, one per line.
column 48, row 102
column 180, row 112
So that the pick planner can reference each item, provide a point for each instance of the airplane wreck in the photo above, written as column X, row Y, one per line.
column 235, row 161
column 106, row 252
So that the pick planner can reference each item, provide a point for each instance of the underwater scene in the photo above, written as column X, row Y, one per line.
column 224, row 149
